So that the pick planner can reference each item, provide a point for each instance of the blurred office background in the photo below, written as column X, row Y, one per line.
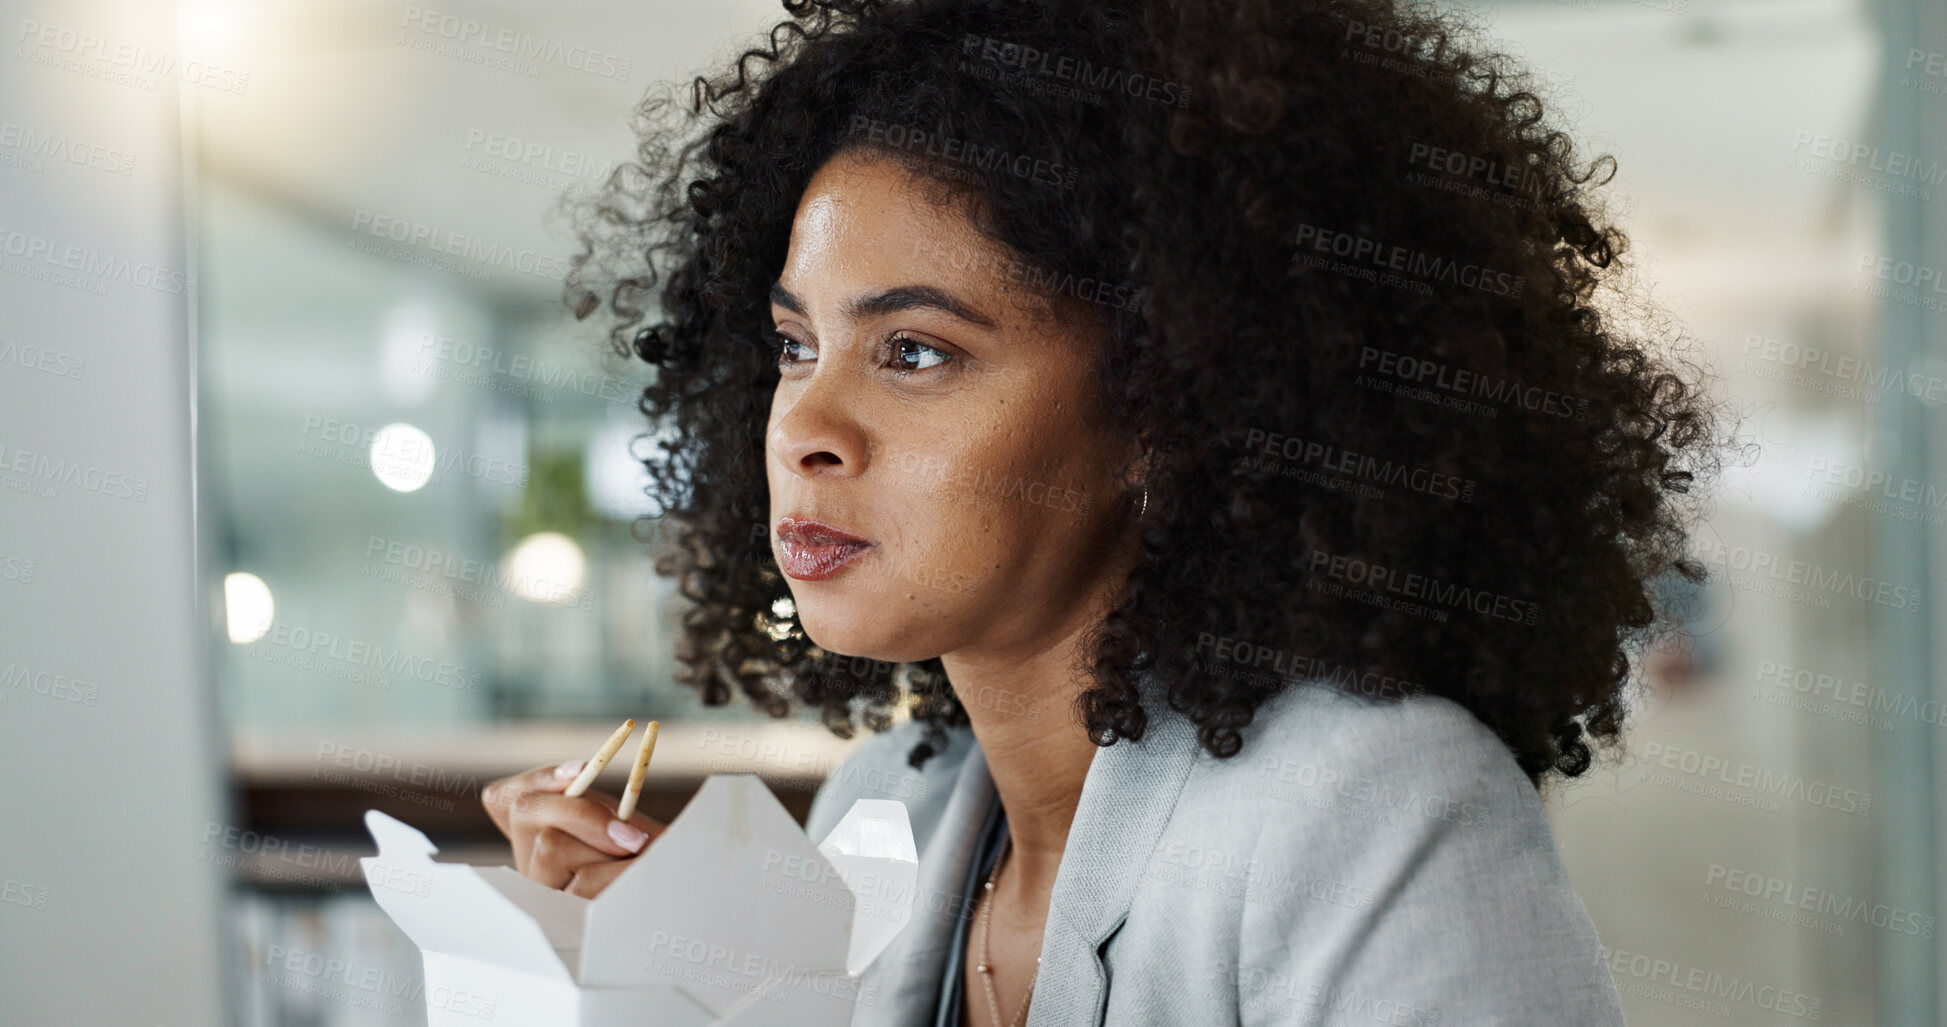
column 422, row 566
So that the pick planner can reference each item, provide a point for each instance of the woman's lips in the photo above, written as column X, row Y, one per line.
column 816, row 562
column 809, row 550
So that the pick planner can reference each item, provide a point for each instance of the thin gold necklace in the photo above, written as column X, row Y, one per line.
column 986, row 914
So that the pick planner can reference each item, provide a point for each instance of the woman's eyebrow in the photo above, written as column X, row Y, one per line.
column 905, row 297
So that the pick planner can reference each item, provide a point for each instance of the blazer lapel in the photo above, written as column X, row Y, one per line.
column 1127, row 799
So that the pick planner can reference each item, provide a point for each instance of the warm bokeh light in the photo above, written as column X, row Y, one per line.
column 546, row 567
column 247, row 606
column 402, row 457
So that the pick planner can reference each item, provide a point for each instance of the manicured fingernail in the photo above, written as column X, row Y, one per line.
column 569, row 769
column 628, row 836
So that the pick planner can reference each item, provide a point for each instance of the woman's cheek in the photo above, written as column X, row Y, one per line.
column 947, row 548
column 940, row 577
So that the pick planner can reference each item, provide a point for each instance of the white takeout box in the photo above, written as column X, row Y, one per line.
column 730, row 917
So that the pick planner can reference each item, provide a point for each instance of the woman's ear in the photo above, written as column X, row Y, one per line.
column 1140, row 466
column 1137, row 461
column 1146, row 464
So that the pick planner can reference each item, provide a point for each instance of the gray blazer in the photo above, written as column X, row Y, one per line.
column 1357, row 861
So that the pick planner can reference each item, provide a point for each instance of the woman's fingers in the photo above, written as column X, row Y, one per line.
column 554, row 857
column 590, row 880
column 506, row 797
column 585, row 818
column 618, row 830
column 558, row 840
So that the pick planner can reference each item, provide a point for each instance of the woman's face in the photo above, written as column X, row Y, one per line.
column 939, row 412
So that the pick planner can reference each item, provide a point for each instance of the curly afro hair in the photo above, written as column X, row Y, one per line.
column 1405, row 431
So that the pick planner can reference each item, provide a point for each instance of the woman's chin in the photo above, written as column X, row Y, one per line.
column 857, row 634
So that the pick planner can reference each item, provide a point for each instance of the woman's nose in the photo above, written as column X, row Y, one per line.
column 818, row 432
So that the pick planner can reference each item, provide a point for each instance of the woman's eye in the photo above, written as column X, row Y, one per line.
column 789, row 350
column 906, row 348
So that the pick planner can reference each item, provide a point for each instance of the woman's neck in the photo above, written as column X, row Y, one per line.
column 1022, row 712
column 1020, row 700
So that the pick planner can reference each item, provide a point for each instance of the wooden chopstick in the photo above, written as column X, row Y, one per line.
column 640, row 771
column 606, row 753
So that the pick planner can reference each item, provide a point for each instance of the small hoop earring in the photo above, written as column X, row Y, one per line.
column 1145, row 506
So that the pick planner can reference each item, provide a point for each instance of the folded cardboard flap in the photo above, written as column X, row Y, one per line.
column 720, row 898
column 560, row 915
column 872, row 848
column 732, row 906
column 450, row 908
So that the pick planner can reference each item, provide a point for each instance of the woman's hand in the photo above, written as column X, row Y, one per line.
column 576, row 844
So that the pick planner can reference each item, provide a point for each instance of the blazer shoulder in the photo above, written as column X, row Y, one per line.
column 1405, row 836
column 880, row 768
column 1315, row 735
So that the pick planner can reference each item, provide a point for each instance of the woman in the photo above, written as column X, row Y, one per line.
column 1212, row 422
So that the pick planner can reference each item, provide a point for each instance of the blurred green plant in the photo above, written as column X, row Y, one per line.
column 556, row 498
